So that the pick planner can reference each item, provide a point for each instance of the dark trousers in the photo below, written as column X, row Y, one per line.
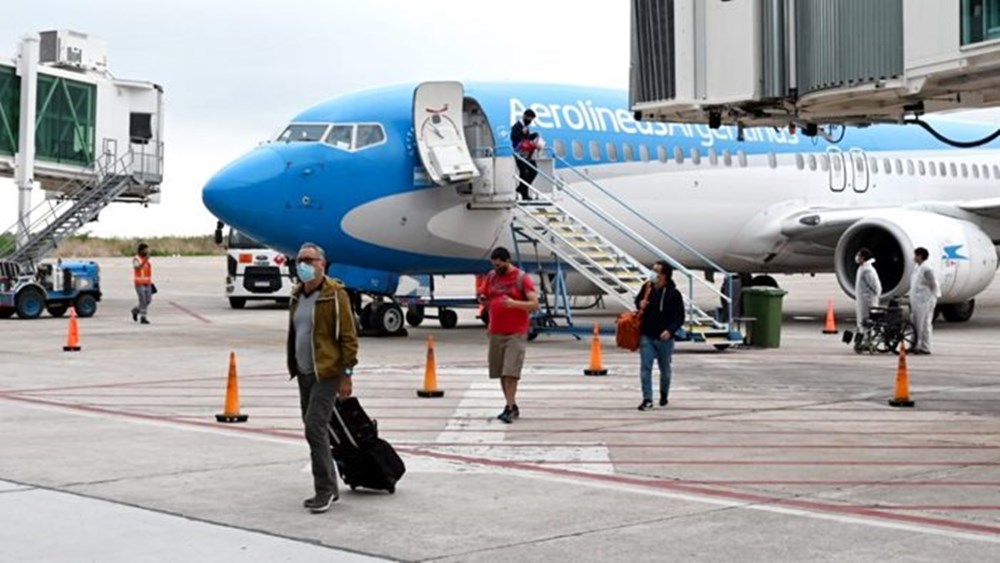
column 527, row 174
column 316, row 397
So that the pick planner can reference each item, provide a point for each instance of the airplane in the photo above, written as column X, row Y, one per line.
column 418, row 179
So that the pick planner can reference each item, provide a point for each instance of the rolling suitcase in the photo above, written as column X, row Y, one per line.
column 363, row 459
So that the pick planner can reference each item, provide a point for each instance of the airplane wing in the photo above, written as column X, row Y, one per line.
column 987, row 207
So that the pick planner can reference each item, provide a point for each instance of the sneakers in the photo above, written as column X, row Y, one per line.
column 321, row 502
column 135, row 314
column 645, row 405
column 663, row 400
column 509, row 413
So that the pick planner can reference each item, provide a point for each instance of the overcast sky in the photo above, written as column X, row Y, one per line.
column 235, row 71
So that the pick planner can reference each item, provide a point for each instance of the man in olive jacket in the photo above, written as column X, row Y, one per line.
column 322, row 352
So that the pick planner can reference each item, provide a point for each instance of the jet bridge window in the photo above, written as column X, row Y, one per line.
column 302, row 133
column 367, row 135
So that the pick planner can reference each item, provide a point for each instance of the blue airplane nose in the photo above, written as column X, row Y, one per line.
column 239, row 191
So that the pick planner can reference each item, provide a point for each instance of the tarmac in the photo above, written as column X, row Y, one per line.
column 783, row 454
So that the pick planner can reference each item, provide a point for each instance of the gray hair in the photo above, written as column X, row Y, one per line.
column 314, row 246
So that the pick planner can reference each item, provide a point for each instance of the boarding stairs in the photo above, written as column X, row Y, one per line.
column 547, row 221
column 55, row 220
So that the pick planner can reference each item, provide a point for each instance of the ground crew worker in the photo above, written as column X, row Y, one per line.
column 142, row 275
column 924, row 293
column 322, row 351
column 867, row 287
column 510, row 297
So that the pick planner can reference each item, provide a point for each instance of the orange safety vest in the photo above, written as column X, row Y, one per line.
column 142, row 271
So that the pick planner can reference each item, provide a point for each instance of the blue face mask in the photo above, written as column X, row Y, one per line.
column 306, row 272
column 653, row 276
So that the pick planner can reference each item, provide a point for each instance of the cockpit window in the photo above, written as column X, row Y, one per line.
column 369, row 135
column 303, row 133
column 340, row 136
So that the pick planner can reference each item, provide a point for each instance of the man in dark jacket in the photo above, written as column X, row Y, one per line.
column 662, row 309
column 322, row 352
column 519, row 134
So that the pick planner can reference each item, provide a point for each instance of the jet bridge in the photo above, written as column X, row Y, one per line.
column 69, row 127
column 811, row 62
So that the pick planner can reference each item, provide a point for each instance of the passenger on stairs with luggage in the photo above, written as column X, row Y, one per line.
column 322, row 351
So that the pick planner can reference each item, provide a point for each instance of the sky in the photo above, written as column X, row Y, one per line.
column 234, row 72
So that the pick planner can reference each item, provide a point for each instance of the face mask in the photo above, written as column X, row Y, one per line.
column 653, row 276
column 306, row 272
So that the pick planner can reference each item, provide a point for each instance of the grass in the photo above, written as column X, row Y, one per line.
column 86, row 246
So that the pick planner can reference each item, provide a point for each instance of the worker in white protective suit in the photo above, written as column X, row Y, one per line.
column 924, row 293
column 867, row 287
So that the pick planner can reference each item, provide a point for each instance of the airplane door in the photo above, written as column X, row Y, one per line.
column 838, row 169
column 860, row 172
column 440, row 134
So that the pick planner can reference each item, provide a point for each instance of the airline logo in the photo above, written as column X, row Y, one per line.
column 953, row 252
column 583, row 115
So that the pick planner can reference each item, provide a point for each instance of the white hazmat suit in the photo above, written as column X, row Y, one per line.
column 867, row 290
column 924, row 293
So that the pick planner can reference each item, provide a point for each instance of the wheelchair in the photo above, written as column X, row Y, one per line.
column 884, row 330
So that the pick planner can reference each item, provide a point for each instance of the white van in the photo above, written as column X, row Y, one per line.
column 255, row 272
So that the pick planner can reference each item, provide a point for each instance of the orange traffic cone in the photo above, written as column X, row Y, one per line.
column 232, row 412
column 595, row 355
column 430, row 374
column 902, row 398
column 831, row 322
column 73, row 337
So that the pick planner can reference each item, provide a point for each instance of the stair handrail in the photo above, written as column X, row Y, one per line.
column 564, row 187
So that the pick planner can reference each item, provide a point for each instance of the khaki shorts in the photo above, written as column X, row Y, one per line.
column 506, row 355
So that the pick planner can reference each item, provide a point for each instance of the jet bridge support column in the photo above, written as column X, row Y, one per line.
column 24, row 173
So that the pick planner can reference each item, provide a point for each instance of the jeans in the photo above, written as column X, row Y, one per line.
column 662, row 351
column 145, row 295
column 316, row 397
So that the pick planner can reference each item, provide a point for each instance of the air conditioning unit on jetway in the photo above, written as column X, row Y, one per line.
column 808, row 62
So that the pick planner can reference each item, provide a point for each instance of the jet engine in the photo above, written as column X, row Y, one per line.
column 962, row 255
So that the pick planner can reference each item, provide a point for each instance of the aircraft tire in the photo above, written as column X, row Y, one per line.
column 388, row 318
column 959, row 312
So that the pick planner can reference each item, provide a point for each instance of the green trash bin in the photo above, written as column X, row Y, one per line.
column 764, row 304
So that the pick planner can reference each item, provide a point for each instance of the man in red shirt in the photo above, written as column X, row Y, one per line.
column 510, row 295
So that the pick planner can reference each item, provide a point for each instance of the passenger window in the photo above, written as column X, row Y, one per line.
column 301, row 133
column 996, row 171
column 965, row 170
column 661, row 153
column 909, row 167
column 727, row 157
column 368, row 135
column 696, row 156
column 899, row 167
column 800, row 162
column 975, row 171
column 577, row 150
column 986, row 172
column 713, row 156
column 953, row 169
column 873, row 165
column 678, row 155
column 741, row 156
column 340, row 136
column 942, row 169
column 921, row 168
column 612, row 152
column 824, row 162
column 772, row 160
column 932, row 169
column 560, row 148
column 887, row 165
column 812, row 162
column 595, row 151
column 627, row 154
column 644, row 153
